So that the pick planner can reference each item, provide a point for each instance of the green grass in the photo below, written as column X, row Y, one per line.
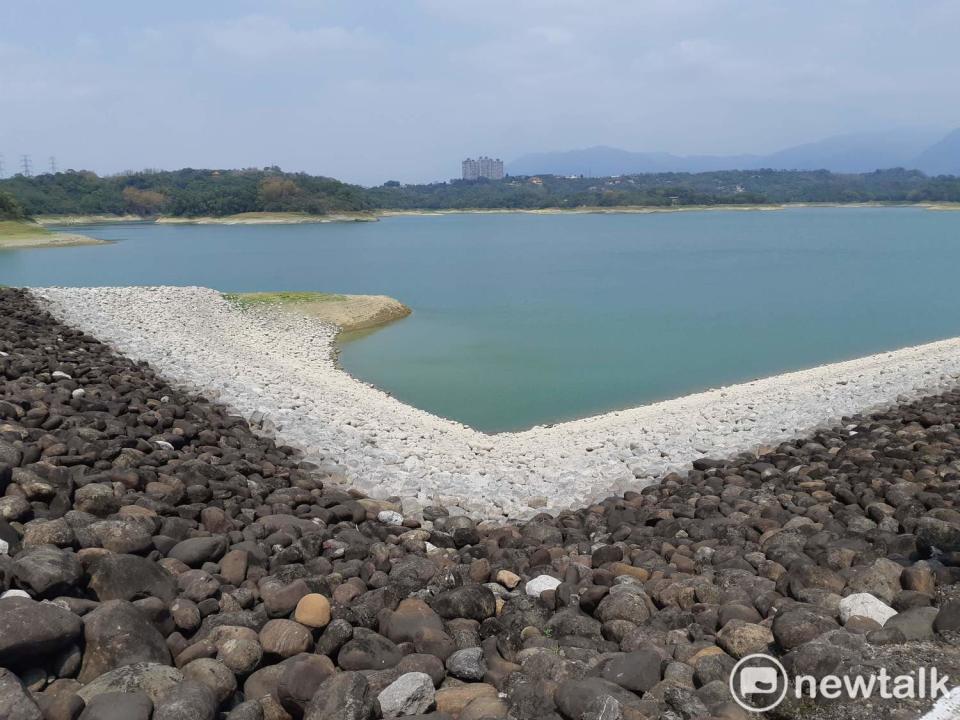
column 21, row 228
column 281, row 298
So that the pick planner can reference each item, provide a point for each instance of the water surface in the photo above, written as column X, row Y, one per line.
column 523, row 319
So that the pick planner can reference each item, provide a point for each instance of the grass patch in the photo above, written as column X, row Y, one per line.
column 281, row 298
column 20, row 229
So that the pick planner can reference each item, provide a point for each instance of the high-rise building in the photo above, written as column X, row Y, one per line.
column 482, row 167
column 471, row 169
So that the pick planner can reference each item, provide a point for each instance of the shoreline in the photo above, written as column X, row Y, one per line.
column 22, row 235
column 651, row 209
column 68, row 220
column 268, row 219
column 376, row 215
column 283, row 366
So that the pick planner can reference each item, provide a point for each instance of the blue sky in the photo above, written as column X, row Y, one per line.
column 371, row 90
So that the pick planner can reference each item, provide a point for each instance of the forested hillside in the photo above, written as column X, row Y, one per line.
column 194, row 193
column 184, row 193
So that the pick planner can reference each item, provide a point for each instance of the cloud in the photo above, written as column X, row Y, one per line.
column 552, row 34
column 372, row 90
column 258, row 37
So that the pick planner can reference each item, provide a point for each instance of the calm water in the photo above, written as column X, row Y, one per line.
column 520, row 320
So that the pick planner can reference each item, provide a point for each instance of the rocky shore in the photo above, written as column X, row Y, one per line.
column 280, row 368
column 159, row 559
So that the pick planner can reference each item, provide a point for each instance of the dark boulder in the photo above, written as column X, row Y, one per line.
column 32, row 631
column 345, row 696
column 117, row 634
column 131, row 577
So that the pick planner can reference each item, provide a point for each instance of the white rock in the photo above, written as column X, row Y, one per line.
column 14, row 593
column 409, row 694
column 946, row 708
column 390, row 517
column 541, row 583
column 4, row 547
column 78, row 393
column 60, row 375
column 865, row 605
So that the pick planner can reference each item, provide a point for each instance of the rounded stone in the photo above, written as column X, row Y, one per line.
column 313, row 610
column 285, row 638
column 241, row 655
column 865, row 605
column 541, row 583
column 467, row 664
column 410, row 694
column 214, row 674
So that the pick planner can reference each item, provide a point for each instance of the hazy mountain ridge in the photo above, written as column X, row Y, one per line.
column 943, row 157
column 915, row 148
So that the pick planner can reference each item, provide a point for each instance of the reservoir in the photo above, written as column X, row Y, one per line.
column 522, row 319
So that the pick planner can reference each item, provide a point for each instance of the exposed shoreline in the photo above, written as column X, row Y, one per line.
column 268, row 219
column 375, row 215
column 17, row 235
column 651, row 209
column 65, row 220
column 283, row 365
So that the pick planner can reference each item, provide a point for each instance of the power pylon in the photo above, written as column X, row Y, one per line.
column 25, row 163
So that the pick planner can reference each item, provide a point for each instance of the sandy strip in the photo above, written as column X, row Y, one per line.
column 348, row 312
column 47, row 220
column 47, row 240
column 282, row 364
column 263, row 218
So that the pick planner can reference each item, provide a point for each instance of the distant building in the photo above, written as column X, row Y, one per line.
column 482, row 167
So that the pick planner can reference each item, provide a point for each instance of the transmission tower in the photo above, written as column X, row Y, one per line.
column 25, row 163
column 1, row 165
column 53, row 165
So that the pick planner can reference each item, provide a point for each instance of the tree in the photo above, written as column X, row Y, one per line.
column 10, row 209
column 279, row 194
column 144, row 202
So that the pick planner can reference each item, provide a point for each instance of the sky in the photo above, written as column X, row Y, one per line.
column 374, row 90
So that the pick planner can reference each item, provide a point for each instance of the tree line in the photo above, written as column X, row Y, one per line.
column 197, row 193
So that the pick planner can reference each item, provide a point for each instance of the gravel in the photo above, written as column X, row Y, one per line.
column 280, row 370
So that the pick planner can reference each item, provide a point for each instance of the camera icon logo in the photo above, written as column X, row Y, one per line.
column 758, row 683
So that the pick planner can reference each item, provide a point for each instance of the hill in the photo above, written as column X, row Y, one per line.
column 184, row 193
column 603, row 161
column 943, row 158
column 906, row 147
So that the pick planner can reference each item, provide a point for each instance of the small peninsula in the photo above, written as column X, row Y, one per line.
column 350, row 313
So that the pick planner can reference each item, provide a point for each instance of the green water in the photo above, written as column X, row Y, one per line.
column 521, row 320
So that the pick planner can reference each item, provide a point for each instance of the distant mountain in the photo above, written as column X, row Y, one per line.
column 601, row 161
column 857, row 152
column 942, row 158
column 920, row 148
